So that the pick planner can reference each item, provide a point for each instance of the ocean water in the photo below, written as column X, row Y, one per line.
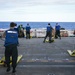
column 66, row 25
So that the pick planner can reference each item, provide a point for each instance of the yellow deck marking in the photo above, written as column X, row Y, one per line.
column 3, row 59
column 71, row 53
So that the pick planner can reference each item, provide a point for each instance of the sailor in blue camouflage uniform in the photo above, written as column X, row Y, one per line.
column 57, row 31
column 48, row 33
column 11, row 42
column 28, row 31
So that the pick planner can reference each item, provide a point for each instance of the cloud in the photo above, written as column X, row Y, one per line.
column 31, row 10
column 13, row 3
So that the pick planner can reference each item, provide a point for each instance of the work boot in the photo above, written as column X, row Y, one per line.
column 8, row 69
column 13, row 71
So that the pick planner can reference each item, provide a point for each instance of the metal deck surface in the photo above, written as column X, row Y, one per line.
column 43, row 58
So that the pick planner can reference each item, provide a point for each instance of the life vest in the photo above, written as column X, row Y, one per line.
column 11, row 37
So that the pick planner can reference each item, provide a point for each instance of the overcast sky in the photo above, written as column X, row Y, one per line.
column 37, row 10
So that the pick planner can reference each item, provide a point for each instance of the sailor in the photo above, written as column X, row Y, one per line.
column 11, row 42
column 48, row 33
column 74, row 32
column 57, row 31
column 28, row 31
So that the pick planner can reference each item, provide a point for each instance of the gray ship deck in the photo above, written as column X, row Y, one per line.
column 43, row 58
